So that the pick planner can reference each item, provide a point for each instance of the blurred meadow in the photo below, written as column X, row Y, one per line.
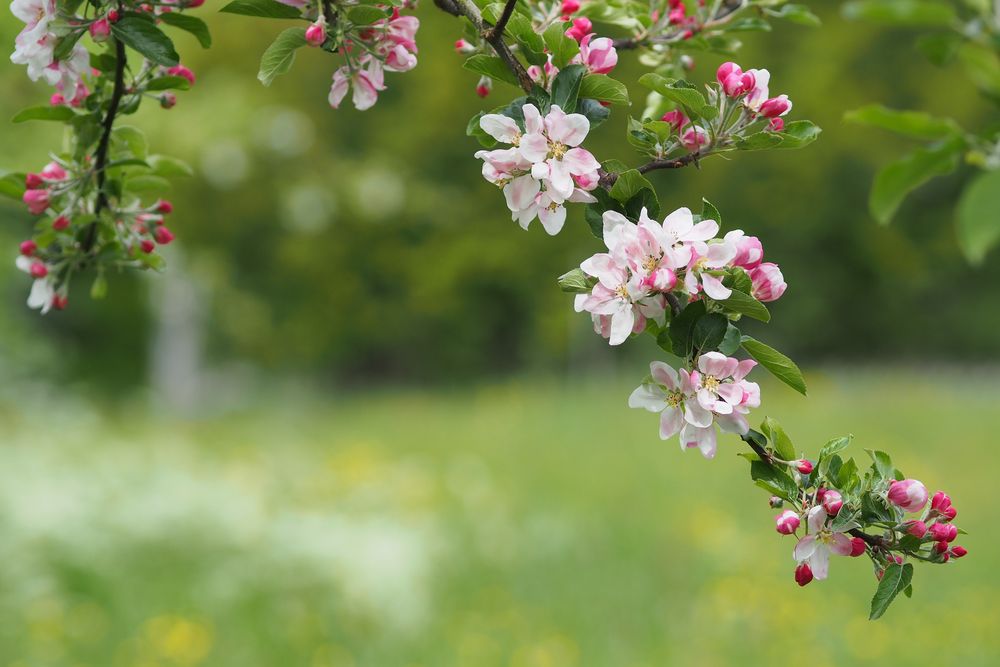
column 357, row 424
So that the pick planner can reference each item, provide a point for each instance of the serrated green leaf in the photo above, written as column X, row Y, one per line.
column 628, row 184
column 44, row 112
column 164, row 165
column 492, row 67
column 566, row 87
column 744, row 304
column 278, row 57
column 168, row 83
column 895, row 579
column 780, row 366
column 268, row 9
column 143, row 36
column 779, row 439
column 603, row 87
column 190, row 24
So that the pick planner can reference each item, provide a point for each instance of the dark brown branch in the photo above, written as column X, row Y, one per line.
column 497, row 30
column 871, row 540
column 690, row 158
column 101, row 156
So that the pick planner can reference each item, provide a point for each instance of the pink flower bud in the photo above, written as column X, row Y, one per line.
column 734, row 81
column 909, row 494
column 581, row 28
column 33, row 181
column 462, row 46
column 958, row 551
column 53, row 172
column 949, row 514
column 100, row 30
column 677, row 14
column 941, row 547
column 941, row 501
column 857, row 546
column 163, row 206
column 57, row 100
column 484, row 86
column 687, row 62
column 915, row 528
column 776, row 106
column 787, row 522
column 168, row 100
column 316, row 33
column 181, row 70
column 28, row 248
column 113, row 16
column 804, row 466
column 776, row 125
column 803, row 574
column 39, row 270
column 60, row 223
column 193, row 4
column 163, row 235
column 832, row 502
column 820, row 494
column 36, row 200
column 768, row 283
column 60, row 301
column 676, row 118
column 694, row 138
column 570, row 7
column 749, row 253
column 147, row 246
column 944, row 532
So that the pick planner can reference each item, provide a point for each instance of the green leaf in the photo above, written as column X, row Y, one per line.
column 709, row 332
column 268, row 9
column 883, row 464
column 164, row 165
column 979, row 217
column 774, row 480
column 595, row 112
column 492, row 67
column 365, row 15
column 143, row 36
column 191, row 24
column 12, row 185
column 604, row 88
column 519, row 27
column 147, row 183
column 894, row 580
column 132, row 139
column 628, row 184
column 901, row 12
column 898, row 179
column 780, row 366
column 759, row 141
column 796, row 14
column 835, row 446
column 750, row 24
column 731, row 341
column 709, row 212
column 782, row 443
column 66, row 43
column 566, row 87
column 99, row 288
column 474, row 129
column 576, row 282
column 916, row 124
column 43, row 112
column 278, row 57
column 744, row 304
column 169, row 82
column 682, row 329
column 798, row 134
column 561, row 47
column 682, row 93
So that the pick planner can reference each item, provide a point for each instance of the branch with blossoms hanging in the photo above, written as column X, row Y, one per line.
column 672, row 277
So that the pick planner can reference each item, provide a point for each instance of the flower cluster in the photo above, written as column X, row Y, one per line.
column 649, row 260
column 693, row 402
column 35, row 47
column 751, row 89
column 545, row 165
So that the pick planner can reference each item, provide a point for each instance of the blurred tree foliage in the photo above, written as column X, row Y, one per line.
column 366, row 246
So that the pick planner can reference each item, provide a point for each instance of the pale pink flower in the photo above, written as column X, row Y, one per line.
column 749, row 251
column 37, row 201
column 759, row 94
column 768, row 283
column 597, row 55
column 619, row 294
column 815, row 548
column 671, row 394
column 787, row 522
column 366, row 84
column 549, row 211
column 706, row 258
column 403, row 30
column 776, row 106
column 694, row 138
column 552, row 145
column 723, row 390
column 42, row 289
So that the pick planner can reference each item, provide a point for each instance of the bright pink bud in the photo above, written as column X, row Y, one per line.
column 57, row 100
column 832, row 502
column 909, row 494
column 915, row 528
column 39, row 270
column 28, row 248
column 168, row 100
column 941, row 501
column 857, row 546
column 725, row 69
column 676, row 118
column 820, row 494
column 581, row 28
column 113, row 16
column 36, row 200
column 192, row 4
column 60, row 301
column 776, row 125
column 147, row 246
column 100, row 30
column 803, row 574
column 804, row 466
column 949, row 514
column 463, row 46
column 787, row 522
column 33, row 181
column 53, row 171
column 316, row 33
column 484, row 86
column 570, row 7
column 941, row 547
column 163, row 235
column 944, row 532
column 677, row 14
column 694, row 138
column 181, row 70
column 735, row 82
column 60, row 223
column 776, row 106
column 768, row 283
column 749, row 253
column 164, row 206
column 958, row 551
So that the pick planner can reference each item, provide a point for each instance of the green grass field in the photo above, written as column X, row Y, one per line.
column 530, row 524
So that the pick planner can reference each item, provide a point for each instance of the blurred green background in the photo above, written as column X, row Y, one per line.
column 356, row 423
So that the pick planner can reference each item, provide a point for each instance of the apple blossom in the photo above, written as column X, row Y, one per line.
column 734, row 81
column 316, row 32
column 776, row 125
column 768, row 283
column 42, row 289
column 694, row 138
column 366, row 84
column 749, row 251
column 581, row 28
column 28, row 248
column 182, row 71
column 775, row 107
column 909, row 494
column 832, row 502
column 597, row 55
column 958, row 551
column 670, row 393
column 618, row 293
column 464, row 47
column 814, row 549
column 36, row 200
column 100, row 30
column 484, row 86
column 787, row 522
column 722, row 389
column 858, row 547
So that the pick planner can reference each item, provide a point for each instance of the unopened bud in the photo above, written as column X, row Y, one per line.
column 39, row 270
column 804, row 466
column 776, row 106
column 787, row 522
column 915, row 528
column 163, row 206
column 462, row 46
column 60, row 301
column 163, row 235
column 909, row 494
column 168, row 100
column 858, row 546
column 147, row 246
column 940, row 501
column 941, row 547
column 803, row 574
column 832, row 502
column 958, row 551
column 775, row 502
column 570, row 7
column 60, row 223
column 100, row 30
column 484, row 86
column 316, row 33
column 28, row 248
column 944, row 532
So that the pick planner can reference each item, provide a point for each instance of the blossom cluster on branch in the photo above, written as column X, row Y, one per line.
column 678, row 277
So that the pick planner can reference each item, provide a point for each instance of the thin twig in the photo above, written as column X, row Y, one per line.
column 508, row 11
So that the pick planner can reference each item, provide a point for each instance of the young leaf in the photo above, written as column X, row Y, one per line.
column 780, row 366
column 278, row 57
column 894, row 580
column 604, row 88
column 365, row 15
column 45, row 112
column 680, row 92
column 744, row 304
column 978, row 222
column 709, row 212
column 164, row 165
column 782, row 443
column 682, row 329
column 883, row 464
column 12, row 185
column 576, row 282
column 709, row 332
column 168, row 82
column 561, row 47
column 898, row 179
column 796, row 14
column 902, row 12
column 798, row 133
column 143, row 36
column 490, row 66
column 191, row 24
column 834, row 446
column 566, row 87
column 916, row 124
column 628, row 184
column 268, row 9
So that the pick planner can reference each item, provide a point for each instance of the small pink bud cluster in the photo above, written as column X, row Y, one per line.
column 41, row 187
column 149, row 226
column 751, row 86
column 581, row 28
column 568, row 8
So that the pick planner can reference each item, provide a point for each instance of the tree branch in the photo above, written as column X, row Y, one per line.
column 497, row 30
column 491, row 34
column 101, row 156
